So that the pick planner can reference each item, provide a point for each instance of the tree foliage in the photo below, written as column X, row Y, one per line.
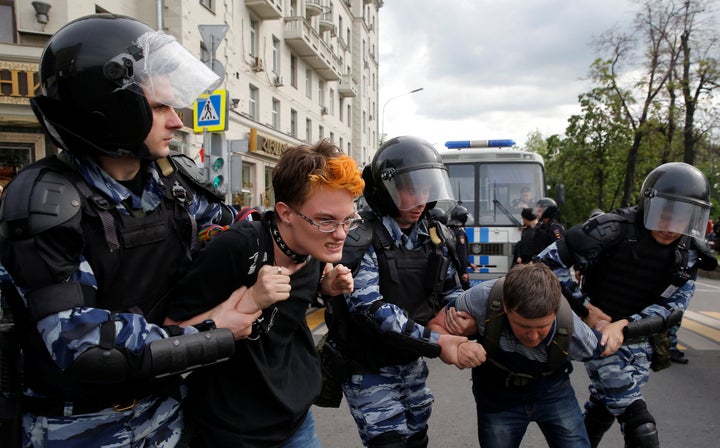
column 650, row 103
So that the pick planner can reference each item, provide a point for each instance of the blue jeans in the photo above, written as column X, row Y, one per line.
column 555, row 411
column 305, row 436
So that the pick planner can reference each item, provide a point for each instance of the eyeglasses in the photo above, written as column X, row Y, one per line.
column 331, row 225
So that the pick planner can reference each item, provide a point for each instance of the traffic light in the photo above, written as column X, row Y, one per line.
column 217, row 172
column 217, row 163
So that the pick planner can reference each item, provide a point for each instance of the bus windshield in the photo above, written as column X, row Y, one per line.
column 496, row 193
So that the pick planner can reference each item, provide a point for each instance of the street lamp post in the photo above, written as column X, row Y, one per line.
column 386, row 103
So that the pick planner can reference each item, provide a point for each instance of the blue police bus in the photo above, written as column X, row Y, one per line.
column 494, row 182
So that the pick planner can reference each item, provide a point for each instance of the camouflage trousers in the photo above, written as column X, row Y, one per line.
column 394, row 400
column 616, row 379
column 152, row 422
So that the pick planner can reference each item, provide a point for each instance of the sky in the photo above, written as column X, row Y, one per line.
column 489, row 69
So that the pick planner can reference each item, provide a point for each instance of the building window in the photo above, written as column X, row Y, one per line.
column 349, row 116
column 293, row 70
column 253, row 38
column 308, row 130
column 340, row 109
column 209, row 4
column 332, row 137
column 340, row 144
column 308, row 83
column 276, row 113
column 331, row 103
column 321, row 93
column 293, row 122
column 275, row 55
column 253, row 102
column 7, row 22
column 321, row 131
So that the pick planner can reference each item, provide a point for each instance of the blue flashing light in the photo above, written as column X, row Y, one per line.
column 458, row 144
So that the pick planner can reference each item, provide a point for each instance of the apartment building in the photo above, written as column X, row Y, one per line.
column 295, row 71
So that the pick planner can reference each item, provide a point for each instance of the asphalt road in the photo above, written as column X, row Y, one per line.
column 685, row 399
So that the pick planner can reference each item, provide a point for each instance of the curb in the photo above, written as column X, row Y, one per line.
column 710, row 274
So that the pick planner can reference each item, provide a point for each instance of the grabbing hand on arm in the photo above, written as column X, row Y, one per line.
column 612, row 335
column 595, row 314
column 459, row 322
column 226, row 315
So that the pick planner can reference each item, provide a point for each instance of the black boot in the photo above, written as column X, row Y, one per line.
column 678, row 356
column 418, row 440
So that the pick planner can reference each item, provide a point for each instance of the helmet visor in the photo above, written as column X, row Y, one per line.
column 164, row 71
column 673, row 215
column 410, row 189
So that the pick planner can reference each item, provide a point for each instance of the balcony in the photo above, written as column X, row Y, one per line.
column 326, row 22
column 265, row 9
column 347, row 87
column 313, row 8
column 307, row 44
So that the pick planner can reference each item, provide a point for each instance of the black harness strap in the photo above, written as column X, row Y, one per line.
column 559, row 346
column 103, row 208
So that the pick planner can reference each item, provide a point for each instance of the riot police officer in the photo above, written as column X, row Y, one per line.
column 92, row 240
column 403, row 274
column 548, row 229
column 637, row 263
column 458, row 218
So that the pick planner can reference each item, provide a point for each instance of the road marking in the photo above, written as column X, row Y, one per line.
column 315, row 319
column 708, row 332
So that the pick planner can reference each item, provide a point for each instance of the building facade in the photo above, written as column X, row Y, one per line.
column 295, row 71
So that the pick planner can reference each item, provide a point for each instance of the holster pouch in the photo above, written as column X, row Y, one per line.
column 661, row 351
column 335, row 370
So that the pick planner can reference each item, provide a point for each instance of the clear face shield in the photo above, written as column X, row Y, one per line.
column 410, row 189
column 678, row 215
column 158, row 67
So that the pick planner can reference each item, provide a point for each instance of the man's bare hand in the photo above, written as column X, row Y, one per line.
column 272, row 285
column 338, row 280
column 612, row 336
column 226, row 315
column 594, row 315
column 460, row 322
column 470, row 354
column 449, row 348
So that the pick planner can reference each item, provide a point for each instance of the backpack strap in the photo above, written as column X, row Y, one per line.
column 494, row 319
column 560, row 347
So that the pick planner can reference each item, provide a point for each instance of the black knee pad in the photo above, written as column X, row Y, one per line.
column 639, row 426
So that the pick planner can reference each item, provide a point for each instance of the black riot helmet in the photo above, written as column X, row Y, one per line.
column 675, row 197
column 96, row 75
column 546, row 208
column 459, row 215
column 439, row 215
column 404, row 173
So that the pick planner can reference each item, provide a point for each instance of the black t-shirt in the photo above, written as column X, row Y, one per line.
column 261, row 395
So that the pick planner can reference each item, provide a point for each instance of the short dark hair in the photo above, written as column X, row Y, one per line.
column 532, row 291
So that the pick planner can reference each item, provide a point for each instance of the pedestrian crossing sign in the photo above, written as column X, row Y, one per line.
column 210, row 112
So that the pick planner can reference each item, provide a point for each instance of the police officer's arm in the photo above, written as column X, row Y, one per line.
column 464, row 355
column 392, row 321
column 90, row 343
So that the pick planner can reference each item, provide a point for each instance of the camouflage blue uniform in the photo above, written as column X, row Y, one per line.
column 395, row 399
column 151, row 420
column 615, row 380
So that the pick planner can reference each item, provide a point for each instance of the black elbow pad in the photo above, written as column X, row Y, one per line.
column 100, row 366
column 179, row 354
